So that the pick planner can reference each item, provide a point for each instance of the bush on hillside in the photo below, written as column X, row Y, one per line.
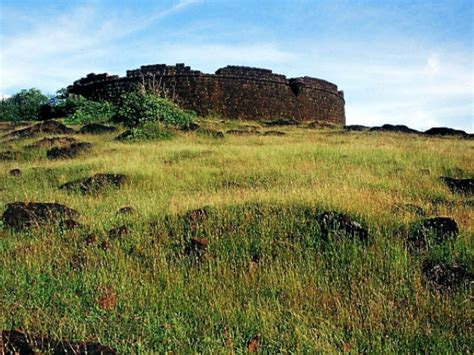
column 149, row 131
column 23, row 106
column 136, row 109
column 79, row 110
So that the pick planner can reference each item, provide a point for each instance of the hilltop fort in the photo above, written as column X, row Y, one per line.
column 233, row 92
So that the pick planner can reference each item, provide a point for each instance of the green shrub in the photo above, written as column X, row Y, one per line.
column 135, row 109
column 23, row 106
column 79, row 110
column 150, row 131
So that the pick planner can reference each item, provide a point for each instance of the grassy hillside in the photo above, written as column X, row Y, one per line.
column 266, row 270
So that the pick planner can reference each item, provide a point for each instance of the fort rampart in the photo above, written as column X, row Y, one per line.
column 233, row 92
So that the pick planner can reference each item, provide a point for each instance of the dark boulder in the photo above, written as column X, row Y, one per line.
column 9, row 155
column 273, row 133
column 339, row 224
column 356, row 128
column 462, row 186
column 68, row 151
column 14, row 172
column 197, row 247
column 445, row 277
column 280, row 122
column 20, row 215
column 432, row 231
column 445, row 131
column 124, row 135
column 18, row 342
column 210, row 132
column 97, row 128
column 118, row 232
column 126, row 210
column 96, row 183
column 45, row 127
column 52, row 142
column 393, row 128
column 241, row 132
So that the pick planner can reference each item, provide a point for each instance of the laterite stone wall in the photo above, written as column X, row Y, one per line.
column 232, row 92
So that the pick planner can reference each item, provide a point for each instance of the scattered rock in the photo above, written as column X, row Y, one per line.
column 18, row 342
column 322, row 125
column 68, row 151
column 211, row 132
column 96, row 183
column 20, row 215
column 118, row 232
column 197, row 247
column 356, row 128
column 273, row 133
column 14, row 172
column 77, row 262
column 462, row 186
column 340, row 224
column 240, row 132
column 97, row 128
column 104, row 245
column 52, row 142
column 126, row 210
column 393, row 128
column 124, row 135
column 69, row 224
column 445, row 131
column 445, row 277
column 432, row 231
column 193, row 126
column 91, row 239
column 45, row 127
column 254, row 344
column 9, row 155
column 280, row 122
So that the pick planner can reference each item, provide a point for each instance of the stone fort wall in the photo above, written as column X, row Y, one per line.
column 233, row 92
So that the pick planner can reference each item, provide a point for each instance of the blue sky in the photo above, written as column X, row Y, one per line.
column 399, row 62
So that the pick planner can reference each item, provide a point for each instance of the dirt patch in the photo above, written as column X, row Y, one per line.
column 45, row 127
column 96, row 183
column 20, row 215
column 68, row 151
column 339, row 224
column 52, row 142
column 97, row 128
column 461, row 186
column 432, row 231
column 118, row 232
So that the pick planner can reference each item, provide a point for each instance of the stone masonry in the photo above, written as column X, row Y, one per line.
column 233, row 92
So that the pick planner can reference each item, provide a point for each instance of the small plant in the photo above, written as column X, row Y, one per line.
column 136, row 109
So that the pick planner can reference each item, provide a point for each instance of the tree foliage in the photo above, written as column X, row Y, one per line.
column 23, row 106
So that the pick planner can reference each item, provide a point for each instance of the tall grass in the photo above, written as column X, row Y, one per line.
column 266, row 269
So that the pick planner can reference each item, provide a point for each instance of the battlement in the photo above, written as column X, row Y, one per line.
column 234, row 92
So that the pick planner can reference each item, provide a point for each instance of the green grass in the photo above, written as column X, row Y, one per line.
column 303, row 295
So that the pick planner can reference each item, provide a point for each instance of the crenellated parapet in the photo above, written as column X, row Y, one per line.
column 233, row 92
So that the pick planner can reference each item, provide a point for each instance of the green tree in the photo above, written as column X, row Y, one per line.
column 24, row 105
